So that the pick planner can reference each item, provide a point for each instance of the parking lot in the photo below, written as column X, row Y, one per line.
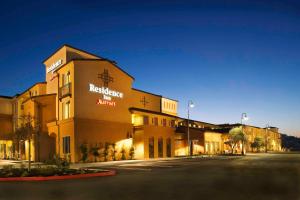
column 255, row 176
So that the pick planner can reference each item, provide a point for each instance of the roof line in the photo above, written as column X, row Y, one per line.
column 147, row 92
column 198, row 121
column 6, row 97
column 151, row 111
column 170, row 99
column 102, row 59
column 30, row 88
column 67, row 45
column 84, row 59
column 154, row 94
column 33, row 97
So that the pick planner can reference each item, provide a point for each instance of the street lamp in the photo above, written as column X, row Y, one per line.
column 244, row 117
column 266, row 138
column 190, row 105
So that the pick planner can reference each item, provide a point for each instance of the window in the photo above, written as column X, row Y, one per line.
column 66, row 110
column 164, row 122
column 146, row 120
column 155, row 121
column 172, row 123
column 151, row 147
column 169, row 149
column 66, row 145
column 160, row 148
column 66, row 78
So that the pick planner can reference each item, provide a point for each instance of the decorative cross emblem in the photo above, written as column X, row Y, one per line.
column 144, row 101
column 105, row 78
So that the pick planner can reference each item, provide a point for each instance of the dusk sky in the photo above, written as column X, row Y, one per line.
column 228, row 58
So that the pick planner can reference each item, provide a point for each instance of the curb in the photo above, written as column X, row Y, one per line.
column 65, row 177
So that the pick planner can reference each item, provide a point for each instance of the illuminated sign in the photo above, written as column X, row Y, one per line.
column 54, row 66
column 105, row 91
column 105, row 102
column 107, row 95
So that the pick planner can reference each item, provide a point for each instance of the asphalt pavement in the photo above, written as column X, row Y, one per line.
column 255, row 176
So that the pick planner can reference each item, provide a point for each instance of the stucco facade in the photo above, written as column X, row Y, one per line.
column 87, row 100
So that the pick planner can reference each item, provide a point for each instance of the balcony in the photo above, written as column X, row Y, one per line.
column 65, row 91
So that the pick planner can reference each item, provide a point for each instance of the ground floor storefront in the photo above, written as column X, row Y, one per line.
column 85, row 140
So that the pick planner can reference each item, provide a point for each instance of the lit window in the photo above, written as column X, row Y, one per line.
column 66, row 110
column 146, row 120
column 173, row 123
column 66, row 79
column 155, row 120
column 164, row 122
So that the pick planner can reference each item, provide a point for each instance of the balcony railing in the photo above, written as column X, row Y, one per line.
column 65, row 90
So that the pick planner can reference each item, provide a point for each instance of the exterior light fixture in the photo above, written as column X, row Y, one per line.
column 266, row 138
column 244, row 118
column 190, row 105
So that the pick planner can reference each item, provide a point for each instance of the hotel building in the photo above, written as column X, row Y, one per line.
column 89, row 100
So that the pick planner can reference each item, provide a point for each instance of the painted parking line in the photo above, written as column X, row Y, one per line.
column 135, row 168
column 163, row 166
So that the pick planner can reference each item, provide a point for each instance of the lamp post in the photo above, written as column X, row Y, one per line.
column 266, row 138
column 244, row 117
column 190, row 105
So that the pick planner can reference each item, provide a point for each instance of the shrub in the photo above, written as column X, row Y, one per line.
column 106, row 151
column 113, row 152
column 131, row 153
column 95, row 152
column 84, row 152
column 123, row 152
column 61, row 163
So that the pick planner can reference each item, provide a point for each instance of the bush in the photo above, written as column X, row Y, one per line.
column 84, row 152
column 58, row 162
column 106, row 151
column 131, row 153
column 123, row 152
column 95, row 152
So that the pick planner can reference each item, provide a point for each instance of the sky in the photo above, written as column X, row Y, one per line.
column 228, row 58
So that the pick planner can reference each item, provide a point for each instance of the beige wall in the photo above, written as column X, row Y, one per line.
column 169, row 106
column 146, row 131
column 153, row 102
column 5, row 116
column 5, row 106
column 86, row 107
column 272, row 137
column 213, row 142
column 65, row 54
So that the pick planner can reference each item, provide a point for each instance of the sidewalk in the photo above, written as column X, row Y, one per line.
column 122, row 162
column 17, row 163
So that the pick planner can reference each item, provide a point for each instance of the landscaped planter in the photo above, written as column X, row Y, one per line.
column 66, row 174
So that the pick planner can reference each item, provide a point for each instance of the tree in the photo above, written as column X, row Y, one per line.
column 25, row 132
column 257, row 143
column 236, row 136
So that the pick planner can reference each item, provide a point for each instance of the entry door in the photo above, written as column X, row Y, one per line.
column 151, row 147
column 169, row 147
column 3, row 150
column 160, row 148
